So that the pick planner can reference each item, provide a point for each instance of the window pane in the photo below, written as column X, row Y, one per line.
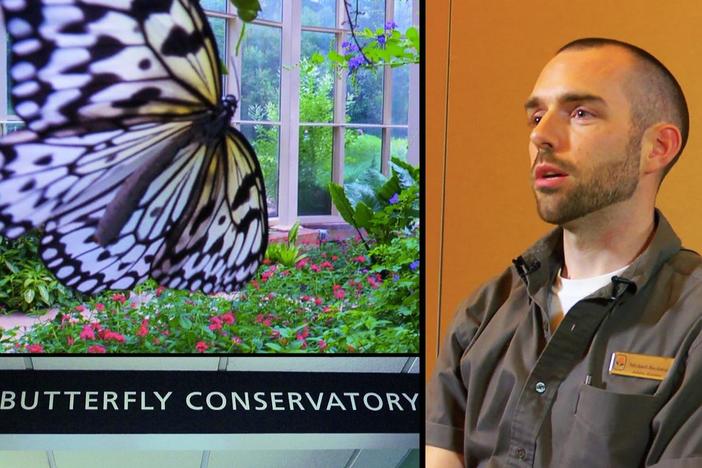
column 260, row 81
column 9, row 127
column 9, row 82
column 214, row 5
column 319, row 13
column 219, row 29
column 270, row 10
column 400, row 94
column 315, row 171
column 364, row 96
column 362, row 148
column 316, row 81
column 403, row 14
column 266, row 142
column 399, row 144
column 371, row 14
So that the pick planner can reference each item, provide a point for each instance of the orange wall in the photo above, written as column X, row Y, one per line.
column 436, row 63
column 496, row 52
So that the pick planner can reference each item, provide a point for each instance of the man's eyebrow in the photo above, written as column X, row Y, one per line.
column 534, row 101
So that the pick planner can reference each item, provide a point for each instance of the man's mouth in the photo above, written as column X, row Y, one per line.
column 548, row 176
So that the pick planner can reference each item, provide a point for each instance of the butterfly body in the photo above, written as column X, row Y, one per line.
column 129, row 161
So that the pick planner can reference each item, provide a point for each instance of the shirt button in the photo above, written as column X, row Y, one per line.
column 520, row 453
column 540, row 387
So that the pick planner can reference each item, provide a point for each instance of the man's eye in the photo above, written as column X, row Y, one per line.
column 581, row 113
column 535, row 119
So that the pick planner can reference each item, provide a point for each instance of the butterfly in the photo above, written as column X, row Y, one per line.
column 128, row 160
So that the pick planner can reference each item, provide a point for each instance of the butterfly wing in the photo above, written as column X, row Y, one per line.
column 106, row 86
column 99, row 64
column 223, row 240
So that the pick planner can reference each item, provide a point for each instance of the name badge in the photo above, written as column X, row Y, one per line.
column 643, row 366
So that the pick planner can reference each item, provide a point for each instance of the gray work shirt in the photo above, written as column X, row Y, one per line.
column 505, row 392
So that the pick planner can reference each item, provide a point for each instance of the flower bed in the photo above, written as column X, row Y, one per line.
column 333, row 300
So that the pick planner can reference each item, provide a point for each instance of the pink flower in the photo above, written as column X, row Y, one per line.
column 97, row 349
column 314, row 267
column 215, row 323
column 327, row 265
column 268, row 273
column 70, row 340
column 259, row 318
column 302, row 335
column 87, row 333
column 156, row 341
column 322, row 345
column 326, row 309
column 81, row 308
column 121, row 298
column 305, row 298
column 268, row 322
column 284, row 273
column 254, row 284
column 334, row 258
column 160, row 290
column 114, row 336
column 228, row 318
column 275, row 333
column 144, row 328
column 339, row 292
column 318, row 300
column 201, row 346
column 359, row 259
column 301, row 264
column 35, row 348
column 266, row 261
column 373, row 282
column 236, row 340
column 99, row 306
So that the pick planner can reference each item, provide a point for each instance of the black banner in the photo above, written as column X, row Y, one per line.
column 227, row 402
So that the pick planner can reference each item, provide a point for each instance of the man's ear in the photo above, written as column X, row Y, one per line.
column 661, row 143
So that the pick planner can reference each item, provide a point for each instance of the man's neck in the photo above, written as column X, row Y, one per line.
column 604, row 242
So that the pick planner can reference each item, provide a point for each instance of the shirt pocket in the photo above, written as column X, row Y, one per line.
column 609, row 429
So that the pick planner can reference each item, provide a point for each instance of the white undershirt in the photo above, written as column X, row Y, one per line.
column 566, row 292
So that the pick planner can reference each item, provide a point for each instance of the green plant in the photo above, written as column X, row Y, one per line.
column 394, row 210
column 382, row 46
column 286, row 253
column 25, row 283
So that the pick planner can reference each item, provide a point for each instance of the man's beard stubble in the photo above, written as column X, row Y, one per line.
column 608, row 183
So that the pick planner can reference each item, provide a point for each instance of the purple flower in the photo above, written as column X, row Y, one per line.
column 390, row 25
column 394, row 199
column 381, row 39
column 395, row 277
column 349, row 47
column 414, row 265
column 355, row 62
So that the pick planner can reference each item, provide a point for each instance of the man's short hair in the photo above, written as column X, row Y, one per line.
column 658, row 96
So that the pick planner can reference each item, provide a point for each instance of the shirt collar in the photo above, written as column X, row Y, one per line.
column 547, row 253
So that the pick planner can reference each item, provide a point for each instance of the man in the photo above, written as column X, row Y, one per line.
column 586, row 352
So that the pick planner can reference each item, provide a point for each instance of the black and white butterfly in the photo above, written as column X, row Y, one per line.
column 128, row 161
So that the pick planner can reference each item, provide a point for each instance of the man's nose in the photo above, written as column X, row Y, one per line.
column 548, row 133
